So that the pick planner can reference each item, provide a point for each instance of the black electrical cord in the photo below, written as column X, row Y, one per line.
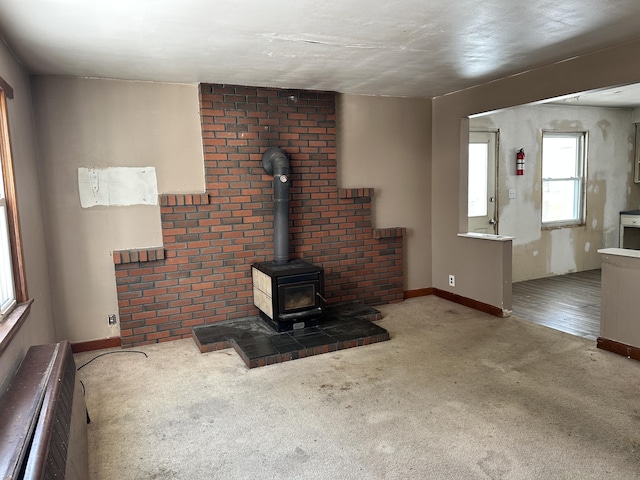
column 84, row 391
column 109, row 353
column 84, row 394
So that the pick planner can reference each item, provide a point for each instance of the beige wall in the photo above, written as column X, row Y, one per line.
column 107, row 123
column 101, row 123
column 468, row 258
column 609, row 188
column 38, row 327
column 385, row 143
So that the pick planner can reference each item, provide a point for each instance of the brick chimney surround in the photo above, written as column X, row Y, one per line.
column 202, row 273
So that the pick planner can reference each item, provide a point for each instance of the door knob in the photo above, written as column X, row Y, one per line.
column 492, row 222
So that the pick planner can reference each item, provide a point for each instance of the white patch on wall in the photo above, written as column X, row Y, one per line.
column 562, row 258
column 587, row 247
column 117, row 186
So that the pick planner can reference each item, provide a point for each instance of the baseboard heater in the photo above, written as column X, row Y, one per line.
column 43, row 418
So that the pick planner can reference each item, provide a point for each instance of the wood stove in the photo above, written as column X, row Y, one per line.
column 288, row 295
column 288, row 292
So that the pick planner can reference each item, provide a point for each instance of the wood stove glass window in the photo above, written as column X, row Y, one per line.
column 299, row 296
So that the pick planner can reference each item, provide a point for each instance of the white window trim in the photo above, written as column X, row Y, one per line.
column 581, row 179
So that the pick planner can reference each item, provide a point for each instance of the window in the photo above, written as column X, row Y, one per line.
column 636, row 172
column 478, row 176
column 12, row 283
column 563, row 174
column 7, row 288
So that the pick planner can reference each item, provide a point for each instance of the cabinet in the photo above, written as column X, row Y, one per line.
column 630, row 229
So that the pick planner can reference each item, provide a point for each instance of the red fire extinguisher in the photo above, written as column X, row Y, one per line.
column 520, row 162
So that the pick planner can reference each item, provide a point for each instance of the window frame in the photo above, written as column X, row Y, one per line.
column 7, row 288
column 582, row 138
column 13, row 319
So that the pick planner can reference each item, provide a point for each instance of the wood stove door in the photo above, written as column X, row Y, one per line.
column 300, row 295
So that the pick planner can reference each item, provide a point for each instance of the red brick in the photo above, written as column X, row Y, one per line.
column 231, row 226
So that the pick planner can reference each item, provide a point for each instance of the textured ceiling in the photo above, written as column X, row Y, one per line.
column 626, row 96
column 421, row 48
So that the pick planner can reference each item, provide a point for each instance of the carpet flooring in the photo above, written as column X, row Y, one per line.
column 454, row 394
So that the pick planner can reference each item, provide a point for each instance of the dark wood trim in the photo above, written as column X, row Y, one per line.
column 95, row 344
column 4, row 86
column 12, row 323
column 468, row 302
column 20, row 405
column 419, row 292
column 619, row 348
column 11, row 199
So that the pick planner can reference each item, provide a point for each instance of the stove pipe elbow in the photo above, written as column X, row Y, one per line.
column 276, row 162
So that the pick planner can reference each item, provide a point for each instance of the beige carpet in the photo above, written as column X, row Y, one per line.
column 455, row 394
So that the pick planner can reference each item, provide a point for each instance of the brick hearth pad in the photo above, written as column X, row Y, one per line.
column 341, row 327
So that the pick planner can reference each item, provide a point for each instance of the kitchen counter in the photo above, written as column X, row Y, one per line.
column 619, row 318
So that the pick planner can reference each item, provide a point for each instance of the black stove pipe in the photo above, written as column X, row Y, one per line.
column 276, row 162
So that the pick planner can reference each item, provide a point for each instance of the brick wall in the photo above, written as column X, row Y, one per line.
column 202, row 274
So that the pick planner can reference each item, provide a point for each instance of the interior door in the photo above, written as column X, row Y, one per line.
column 482, row 190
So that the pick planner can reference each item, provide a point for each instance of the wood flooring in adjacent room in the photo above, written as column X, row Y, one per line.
column 569, row 303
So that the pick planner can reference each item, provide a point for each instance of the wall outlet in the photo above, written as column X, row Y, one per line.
column 113, row 320
column 452, row 280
